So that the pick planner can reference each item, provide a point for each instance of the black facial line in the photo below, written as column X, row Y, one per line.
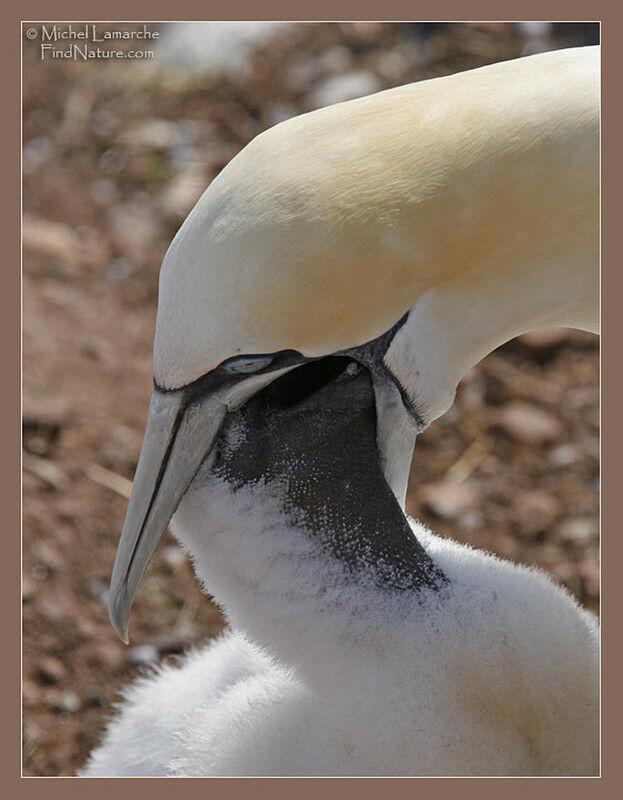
column 370, row 354
column 161, row 471
column 219, row 377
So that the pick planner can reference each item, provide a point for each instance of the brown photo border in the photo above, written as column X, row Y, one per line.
column 612, row 380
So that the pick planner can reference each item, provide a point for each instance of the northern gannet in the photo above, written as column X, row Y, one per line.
column 316, row 309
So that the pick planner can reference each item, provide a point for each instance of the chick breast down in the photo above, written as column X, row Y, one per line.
column 500, row 678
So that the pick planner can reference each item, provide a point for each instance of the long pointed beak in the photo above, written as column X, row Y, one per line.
column 181, row 430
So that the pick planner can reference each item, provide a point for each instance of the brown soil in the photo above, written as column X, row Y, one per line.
column 512, row 468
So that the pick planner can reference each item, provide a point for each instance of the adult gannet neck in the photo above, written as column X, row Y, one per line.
column 385, row 651
column 414, row 230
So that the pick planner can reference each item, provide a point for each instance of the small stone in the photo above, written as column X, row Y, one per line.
column 47, row 412
column 578, row 530
column 52, row 244
column 68, row 702
column 31, row 692
column 447, row 500
column 471, row 520
column 536, row 510
column 104, row 192
column 112, row 161
column 112, row 656
column 134, row 229
column 50, row 697
column 304, row 72
column 336, row 59
column 472, row 390
column 99, row 589
column 119, row 270
column 143, row 654
column 308, row 70
column 40, row 572
column 582, row 397
column 153, row 134
column 528, row 423
column 184, row 155
column 46, row 471
column 48, row 555
column 56, row 607
column 104, row 123
column 339, row 88
column 532, row 30
column 50, row 670
column 392, row 64
column 183, row 192
column 37, row 445
column 564, row 455
column 173, row 556
column 85, row 627
column 36, row 152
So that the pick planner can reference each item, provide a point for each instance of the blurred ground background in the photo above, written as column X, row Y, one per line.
column 115, row 155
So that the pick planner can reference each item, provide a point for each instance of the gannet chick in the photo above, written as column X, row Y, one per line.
column 360, row 644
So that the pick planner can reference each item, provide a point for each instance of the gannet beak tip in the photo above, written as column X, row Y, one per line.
column 119, row 613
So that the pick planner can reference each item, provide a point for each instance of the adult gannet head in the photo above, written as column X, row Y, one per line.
column 415, row 230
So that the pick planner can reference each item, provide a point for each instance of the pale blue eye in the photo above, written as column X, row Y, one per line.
column 246, row 365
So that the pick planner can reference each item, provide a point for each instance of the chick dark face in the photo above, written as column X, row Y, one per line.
column 310, row 438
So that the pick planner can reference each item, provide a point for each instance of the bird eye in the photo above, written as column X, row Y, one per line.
column 246, row 365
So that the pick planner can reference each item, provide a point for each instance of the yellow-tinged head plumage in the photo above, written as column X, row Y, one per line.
column 326, row 228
